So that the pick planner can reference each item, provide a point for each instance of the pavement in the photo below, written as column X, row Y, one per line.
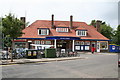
column 23, row 61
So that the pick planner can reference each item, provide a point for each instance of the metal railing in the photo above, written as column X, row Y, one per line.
column 67, row 53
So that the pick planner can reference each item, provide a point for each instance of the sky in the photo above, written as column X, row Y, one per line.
column 82, row 10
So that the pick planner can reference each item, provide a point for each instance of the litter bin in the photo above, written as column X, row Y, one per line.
column 50, row 53
column 31, row 53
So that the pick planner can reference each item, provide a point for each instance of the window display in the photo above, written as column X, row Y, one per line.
column 103, row 45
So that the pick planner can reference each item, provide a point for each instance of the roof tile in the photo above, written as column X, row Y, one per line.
column 32, row 32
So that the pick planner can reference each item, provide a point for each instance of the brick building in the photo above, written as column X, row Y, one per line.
column 72, row 35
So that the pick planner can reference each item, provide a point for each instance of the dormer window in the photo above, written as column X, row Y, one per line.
column 62, row 29
column 81, row 32
column 43, row 31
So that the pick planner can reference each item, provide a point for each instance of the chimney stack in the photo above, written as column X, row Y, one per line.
column 23, row 20
column 71, row 21
column 52, row 21
column 98, row 23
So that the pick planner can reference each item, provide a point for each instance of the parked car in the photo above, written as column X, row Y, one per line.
column 41, row 47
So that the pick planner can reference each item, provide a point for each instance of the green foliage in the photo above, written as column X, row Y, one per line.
column 116, row 38
column 11, row 28
column 93, row 22
column 109, row 32
column 106, row 30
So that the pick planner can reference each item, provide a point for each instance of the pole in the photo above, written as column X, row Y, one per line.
column 73, row 46
column 55, row 43
column 1, row 34
column 3, row 39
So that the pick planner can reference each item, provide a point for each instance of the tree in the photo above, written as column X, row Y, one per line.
column 1, row 34
column 116, row 38
column 11, row 28
column 105, row 29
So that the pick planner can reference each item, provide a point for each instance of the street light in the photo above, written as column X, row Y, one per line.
column 1, row 34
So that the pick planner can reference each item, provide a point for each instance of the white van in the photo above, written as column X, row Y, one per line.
column 38, row 46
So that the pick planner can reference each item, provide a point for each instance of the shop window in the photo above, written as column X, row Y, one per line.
column 87, row 43
column 48, row 42
column 37, row 42
column 42, row 42
column 77, row 47
column 20, row 45
column 82, row 43
column 77, row 43
column 93, row 42
column 87, row 47
column 103, row 45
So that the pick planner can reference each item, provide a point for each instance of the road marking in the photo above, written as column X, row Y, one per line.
column 9, row 65
column 42, row 62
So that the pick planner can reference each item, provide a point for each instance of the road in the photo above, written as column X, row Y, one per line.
column 94, row 66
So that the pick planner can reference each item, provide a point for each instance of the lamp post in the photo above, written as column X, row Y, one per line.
column 1, row 35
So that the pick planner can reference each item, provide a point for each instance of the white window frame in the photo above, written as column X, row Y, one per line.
column 77, row 47
column 36, row 42
column 104, row 48
column 87, row 47
column 62, row 29
column 81, row 33
column 82, row 42
column 77, row 43
column 48, row 42
column 42, row 42
column 42, row 30
column 87, row 42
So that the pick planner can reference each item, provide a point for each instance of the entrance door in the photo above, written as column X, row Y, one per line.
column 61, row 45
column 98, row 46
column 64, row 45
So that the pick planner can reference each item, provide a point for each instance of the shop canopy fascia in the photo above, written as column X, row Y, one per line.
column 63, row 38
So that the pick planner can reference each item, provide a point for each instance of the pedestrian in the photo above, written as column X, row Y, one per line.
column 93, row 49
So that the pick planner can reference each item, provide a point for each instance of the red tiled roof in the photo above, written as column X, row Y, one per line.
column 32, row 30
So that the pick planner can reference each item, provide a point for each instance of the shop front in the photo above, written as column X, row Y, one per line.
column 60, row 43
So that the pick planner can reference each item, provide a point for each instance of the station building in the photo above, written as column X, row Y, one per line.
column 72, row 35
